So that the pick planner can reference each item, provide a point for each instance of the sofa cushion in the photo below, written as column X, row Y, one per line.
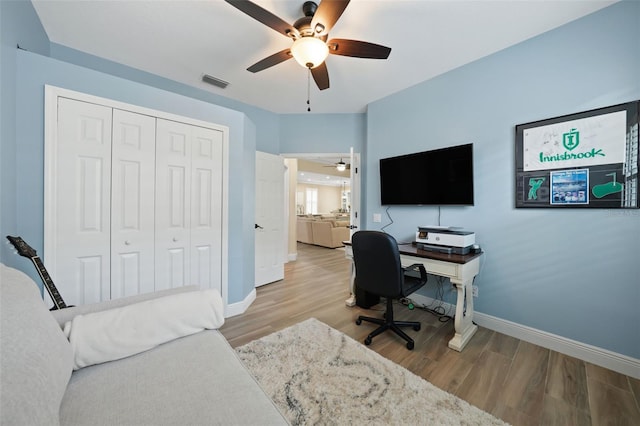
column 304, row 233
column 326, row 235
column 36, row 358
column 120, row 332
column 194, row 380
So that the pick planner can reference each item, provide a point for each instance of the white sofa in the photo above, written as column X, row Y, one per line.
column 192, row 380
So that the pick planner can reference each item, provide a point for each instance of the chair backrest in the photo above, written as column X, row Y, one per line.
column 377, row 260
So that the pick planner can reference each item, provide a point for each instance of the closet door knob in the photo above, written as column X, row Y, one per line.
column 127, row 243
column 175, row 239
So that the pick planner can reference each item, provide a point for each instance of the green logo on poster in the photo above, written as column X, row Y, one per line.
column 571, row 139
column 534, row 186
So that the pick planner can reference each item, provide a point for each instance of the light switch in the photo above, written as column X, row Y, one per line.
column 377, row 217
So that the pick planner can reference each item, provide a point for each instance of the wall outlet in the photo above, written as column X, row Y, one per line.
column 377, row 218
column 474, row 289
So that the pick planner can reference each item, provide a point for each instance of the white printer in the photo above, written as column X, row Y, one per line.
column 444, row 239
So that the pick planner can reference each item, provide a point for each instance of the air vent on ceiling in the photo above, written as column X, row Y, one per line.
column 215, row 81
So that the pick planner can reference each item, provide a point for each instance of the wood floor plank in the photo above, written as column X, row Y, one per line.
column 484, row 384
column 558, row 412
column 567, row 381
column 611, row 405
column 635, row 389
column 524, row 389
column 519, row 382
column 448, row 372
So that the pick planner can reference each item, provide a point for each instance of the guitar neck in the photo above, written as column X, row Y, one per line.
column 48, row 283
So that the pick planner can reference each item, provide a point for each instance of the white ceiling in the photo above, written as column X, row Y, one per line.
column 184, row 39
column 323, row 179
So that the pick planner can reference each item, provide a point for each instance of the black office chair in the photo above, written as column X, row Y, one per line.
column 379, row 272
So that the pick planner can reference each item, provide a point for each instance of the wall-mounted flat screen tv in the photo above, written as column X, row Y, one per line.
column 437, row 177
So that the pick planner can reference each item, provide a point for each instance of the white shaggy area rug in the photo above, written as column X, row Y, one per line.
column 318, row 375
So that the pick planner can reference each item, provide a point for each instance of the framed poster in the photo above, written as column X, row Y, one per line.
column 583, row 160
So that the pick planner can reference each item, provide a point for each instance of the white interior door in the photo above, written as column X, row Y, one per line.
column 269, row 219
column 81, row 203
column 135, row 199
column 206, row 210
column 355, row 192
column 173, row 206
column 188, row 206
column 132, row 204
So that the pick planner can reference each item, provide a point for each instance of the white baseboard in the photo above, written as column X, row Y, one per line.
column 602, row 357
column 292, row 257
column 239, row 308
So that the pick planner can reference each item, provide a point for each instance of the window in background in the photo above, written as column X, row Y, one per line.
column 300, row 202
column 312, row 200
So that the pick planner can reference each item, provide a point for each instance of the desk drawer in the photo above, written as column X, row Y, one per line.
column 432, row 266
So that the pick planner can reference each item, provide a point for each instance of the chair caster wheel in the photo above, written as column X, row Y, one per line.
column 410, row 345
column 367, row 341
column 358, row 321
column 416, row 327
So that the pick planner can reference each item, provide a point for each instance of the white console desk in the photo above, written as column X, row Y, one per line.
column 460, row 269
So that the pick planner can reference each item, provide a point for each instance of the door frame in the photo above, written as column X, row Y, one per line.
column 307, row 156
column 51, row 95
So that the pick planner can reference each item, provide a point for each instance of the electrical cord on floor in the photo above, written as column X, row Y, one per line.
column 435, row 308
column 438, row 311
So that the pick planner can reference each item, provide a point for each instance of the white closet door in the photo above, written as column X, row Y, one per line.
column 206, row 208
column 82, row 199
column 173, row 205
column 132, row 204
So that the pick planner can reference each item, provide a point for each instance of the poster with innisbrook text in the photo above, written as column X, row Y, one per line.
column 587, row 159
column 588, row 141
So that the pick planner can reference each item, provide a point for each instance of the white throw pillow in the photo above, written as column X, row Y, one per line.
column 121, row 332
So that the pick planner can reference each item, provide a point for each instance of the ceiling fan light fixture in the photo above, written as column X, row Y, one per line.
column 309, row 51
column 341, row 166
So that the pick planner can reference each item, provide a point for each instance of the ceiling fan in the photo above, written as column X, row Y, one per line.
column 341, row 166
column 309, row 34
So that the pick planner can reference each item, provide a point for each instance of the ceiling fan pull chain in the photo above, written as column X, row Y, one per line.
column 309, row 90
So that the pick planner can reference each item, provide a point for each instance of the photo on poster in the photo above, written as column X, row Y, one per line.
column 570, row 187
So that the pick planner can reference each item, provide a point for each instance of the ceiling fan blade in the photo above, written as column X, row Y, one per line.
column 358, row 49
column 321, row 76
column 327, row 14
column 265, row 17
column 270, row 61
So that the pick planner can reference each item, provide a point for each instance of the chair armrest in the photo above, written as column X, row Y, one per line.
column 413, row 270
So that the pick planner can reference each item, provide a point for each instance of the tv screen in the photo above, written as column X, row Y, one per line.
column 438, row 177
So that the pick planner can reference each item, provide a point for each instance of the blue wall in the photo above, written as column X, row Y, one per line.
column 313, row 133
column 34, row 71
column 267, row 140
column 19, row 25
column 23, row 76
column 569, row 272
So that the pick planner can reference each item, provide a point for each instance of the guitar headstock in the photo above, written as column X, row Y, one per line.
column 21, row 247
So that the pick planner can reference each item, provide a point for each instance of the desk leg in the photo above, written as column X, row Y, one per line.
column 351, row 301
column 465, row 328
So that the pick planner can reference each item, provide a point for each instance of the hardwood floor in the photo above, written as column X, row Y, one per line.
column 519, row 382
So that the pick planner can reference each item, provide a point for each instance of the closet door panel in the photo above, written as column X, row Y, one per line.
column 132, row 204
column 173, row 206
column 206, row 208
column 82, row 202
